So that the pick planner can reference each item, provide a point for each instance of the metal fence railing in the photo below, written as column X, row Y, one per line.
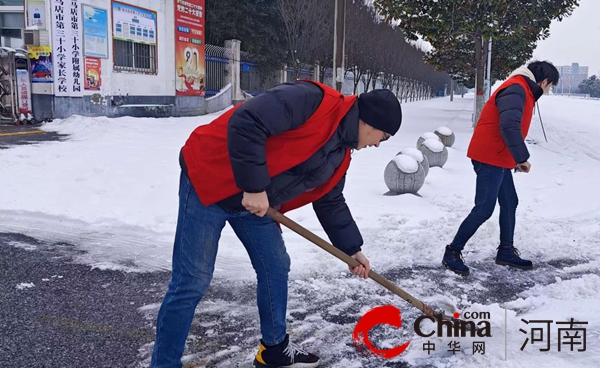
column 305, row 72
column 253, row 80
column 217, row 59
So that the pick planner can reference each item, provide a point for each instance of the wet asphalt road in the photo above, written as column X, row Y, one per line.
column 11, row 136
column 73, row 316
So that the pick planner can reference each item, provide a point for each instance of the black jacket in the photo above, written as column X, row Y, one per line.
column 510, row 103
column 273, row 112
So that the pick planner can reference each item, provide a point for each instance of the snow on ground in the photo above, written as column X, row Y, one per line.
column 111, row 190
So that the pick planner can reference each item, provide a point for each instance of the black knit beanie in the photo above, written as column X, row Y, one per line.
column 380, row 109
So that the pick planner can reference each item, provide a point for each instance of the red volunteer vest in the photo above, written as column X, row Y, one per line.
column 207, row 158
column 487, row 144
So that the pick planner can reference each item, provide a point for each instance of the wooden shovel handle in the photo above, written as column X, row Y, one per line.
column 307, row 234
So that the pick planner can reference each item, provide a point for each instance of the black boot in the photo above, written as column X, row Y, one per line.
column 454, row 262
column 510, row 256
column 284, row 355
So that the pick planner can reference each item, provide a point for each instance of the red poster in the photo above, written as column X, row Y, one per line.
column 93, row 75
column 189, row 47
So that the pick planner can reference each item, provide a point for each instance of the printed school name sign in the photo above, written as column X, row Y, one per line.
column 66, row 47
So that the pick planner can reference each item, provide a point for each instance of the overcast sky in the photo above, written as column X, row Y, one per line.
column 574, row 40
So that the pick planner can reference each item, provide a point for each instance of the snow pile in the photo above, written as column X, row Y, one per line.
column 434, row 145
column 413, row 152
column 429, row 135
column 22, row 245
column 586, row 287
column 406, row 164
column 443, row 130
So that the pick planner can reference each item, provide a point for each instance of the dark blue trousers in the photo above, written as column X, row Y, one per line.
column 493, row 184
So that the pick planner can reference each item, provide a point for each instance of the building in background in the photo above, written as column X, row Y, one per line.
column 12, row 23
column 109, row 58
column 571, row 77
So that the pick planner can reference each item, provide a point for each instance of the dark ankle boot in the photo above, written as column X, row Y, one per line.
column 454, row 262
column 510, row 256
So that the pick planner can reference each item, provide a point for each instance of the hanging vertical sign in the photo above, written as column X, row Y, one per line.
column 76, row 48
column 189, row 47
column 24, row 91
column 66, row 31
column 60, row 25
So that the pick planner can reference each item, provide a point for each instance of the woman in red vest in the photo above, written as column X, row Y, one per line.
column 497, row 147
column 285, row 148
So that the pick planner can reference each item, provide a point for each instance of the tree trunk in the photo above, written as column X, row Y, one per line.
column 451, row 90
column 368, row 81
column 401, row 89
column 357, row 78
column 481, row 57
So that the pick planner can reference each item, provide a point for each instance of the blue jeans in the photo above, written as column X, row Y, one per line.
column 493, row 183
column 195, row 250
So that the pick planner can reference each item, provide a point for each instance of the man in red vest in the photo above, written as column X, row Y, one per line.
column 497, row 147
column 285, row 148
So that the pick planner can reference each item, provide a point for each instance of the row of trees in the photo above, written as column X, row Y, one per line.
column 459, row 31
column 590, row 86
column 300, row 32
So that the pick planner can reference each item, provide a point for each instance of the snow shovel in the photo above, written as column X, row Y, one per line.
column 307, row 234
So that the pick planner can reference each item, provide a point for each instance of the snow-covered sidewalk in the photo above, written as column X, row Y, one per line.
column 111, row 189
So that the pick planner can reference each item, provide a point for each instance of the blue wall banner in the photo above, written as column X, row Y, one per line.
column 95, row 32
column 135, row 24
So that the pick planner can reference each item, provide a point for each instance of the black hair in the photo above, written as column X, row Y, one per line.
column 544, row 70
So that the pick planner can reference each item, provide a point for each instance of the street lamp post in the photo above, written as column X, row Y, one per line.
column 339, row 44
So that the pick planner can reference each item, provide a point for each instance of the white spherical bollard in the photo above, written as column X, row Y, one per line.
column 404, row 175
column 417, row 155
column 446, row 136
column 425, row 136
column 436, row 152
